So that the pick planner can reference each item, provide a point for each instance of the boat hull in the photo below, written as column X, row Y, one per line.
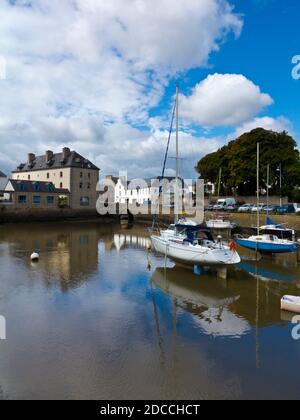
column 266, row 247
column 291, row 304
column 219, row 225
column 195, row 255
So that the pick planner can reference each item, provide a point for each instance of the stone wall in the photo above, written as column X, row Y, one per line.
column 9, row 214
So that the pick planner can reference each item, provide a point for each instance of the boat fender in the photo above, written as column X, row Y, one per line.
column 233, row 246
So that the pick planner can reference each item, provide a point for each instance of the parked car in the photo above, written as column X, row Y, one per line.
column 286, row 209
column 230, row 207
column 210, row 207
column 245, row 208
column 225, row 203
column 271, row 208
column 258, row 207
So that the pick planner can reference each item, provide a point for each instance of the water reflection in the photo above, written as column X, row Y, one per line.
column 90, row 321
column 207, row 299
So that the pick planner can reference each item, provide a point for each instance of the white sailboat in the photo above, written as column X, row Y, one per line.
column 189, row 243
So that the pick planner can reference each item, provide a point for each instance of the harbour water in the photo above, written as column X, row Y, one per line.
column 100, row 317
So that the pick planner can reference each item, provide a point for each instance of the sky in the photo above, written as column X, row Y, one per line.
column 100, row 76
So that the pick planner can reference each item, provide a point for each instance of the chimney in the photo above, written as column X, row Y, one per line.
column 31, row 158
column 49, row 155
column 66, row 153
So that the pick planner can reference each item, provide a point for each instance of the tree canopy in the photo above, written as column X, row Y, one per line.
column 238, row 163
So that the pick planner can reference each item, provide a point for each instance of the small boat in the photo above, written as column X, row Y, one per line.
column 220, row 223
column 267, row 244
column 290, row 304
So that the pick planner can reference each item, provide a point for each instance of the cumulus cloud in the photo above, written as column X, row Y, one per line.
column 224, row 99
column 275, row 124
column 86, row 72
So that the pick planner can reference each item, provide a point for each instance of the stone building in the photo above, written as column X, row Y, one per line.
column 35, row 195
column 66, row 170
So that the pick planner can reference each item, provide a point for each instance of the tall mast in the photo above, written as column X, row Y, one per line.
column 258, row 188
column 177, row 155
column 268, row 183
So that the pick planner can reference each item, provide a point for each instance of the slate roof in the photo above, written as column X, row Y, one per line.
column 74, row 160
column 36, row 187
column 2, row 175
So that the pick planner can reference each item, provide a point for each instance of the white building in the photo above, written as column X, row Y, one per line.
column 144, row 191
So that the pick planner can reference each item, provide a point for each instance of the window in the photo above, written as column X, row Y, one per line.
column 89, row 175
column 22, row 186
column 22, row 199
column 81, row 175
column 84, row 201
column 36, row 199
column 51, row 187
column 61, row 174
column 36, row 187
column 28, row 177
column 48, row 175
column 61, row 185
column 80, row 185
column 50, row 200
column 89, row 185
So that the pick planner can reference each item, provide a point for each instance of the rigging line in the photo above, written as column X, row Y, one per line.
column 166, row 157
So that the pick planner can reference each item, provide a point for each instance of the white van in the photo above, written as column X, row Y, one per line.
column 225, row 203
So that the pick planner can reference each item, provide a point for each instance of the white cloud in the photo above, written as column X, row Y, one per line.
column 268, row 123
column 224, row 99
column 83, row 71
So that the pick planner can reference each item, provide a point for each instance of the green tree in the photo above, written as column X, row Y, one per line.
column 238, row 163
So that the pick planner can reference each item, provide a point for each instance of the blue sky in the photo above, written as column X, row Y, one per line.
column 100, row 77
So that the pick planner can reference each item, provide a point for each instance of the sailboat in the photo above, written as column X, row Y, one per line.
column 188, row 242
column 266, row 243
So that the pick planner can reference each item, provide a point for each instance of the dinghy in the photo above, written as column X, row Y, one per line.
column 291, row 304
column 220, row 223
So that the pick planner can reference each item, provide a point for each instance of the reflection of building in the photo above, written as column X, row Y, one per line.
column 69, row 253
column 121, row 241
column 65, row 170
